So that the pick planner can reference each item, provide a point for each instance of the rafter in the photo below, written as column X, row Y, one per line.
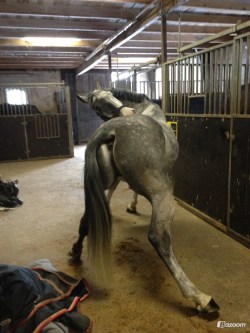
column 82, row 9
column 123, row 27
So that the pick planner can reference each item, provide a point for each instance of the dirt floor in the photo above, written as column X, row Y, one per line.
column 143, row 296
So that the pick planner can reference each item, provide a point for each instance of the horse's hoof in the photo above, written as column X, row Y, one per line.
column 75, row 255
column 211, row 307
column 131, row 211
column 74, row 261
column 75, row 258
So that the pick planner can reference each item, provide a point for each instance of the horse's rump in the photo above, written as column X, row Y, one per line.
column 141, row 150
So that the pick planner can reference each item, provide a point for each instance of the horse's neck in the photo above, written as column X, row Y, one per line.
column 154, row 111
column 147, row 108
column 139, row 107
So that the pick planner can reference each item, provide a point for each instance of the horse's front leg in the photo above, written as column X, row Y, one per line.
column 160, row 238
column 132, row 206
column 76, row 250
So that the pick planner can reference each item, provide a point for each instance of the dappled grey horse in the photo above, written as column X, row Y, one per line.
column 142, row 149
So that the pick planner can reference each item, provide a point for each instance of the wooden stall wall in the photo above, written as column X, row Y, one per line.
column 208, row 99
column 201, row 171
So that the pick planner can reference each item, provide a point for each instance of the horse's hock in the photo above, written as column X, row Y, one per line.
column 142, row 296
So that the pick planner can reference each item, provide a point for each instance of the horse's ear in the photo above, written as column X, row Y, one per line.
column 83, row 98
column 98, row 85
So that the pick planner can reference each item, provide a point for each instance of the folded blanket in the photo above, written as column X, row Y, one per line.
column 41, row 299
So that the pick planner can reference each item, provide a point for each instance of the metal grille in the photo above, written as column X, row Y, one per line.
column 47, row 126
column 241, row 105
column 125, row 84
column 201, row 83
column 153, row 89
column 15, row 102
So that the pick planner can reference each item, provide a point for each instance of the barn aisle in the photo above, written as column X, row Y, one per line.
column 142, row 297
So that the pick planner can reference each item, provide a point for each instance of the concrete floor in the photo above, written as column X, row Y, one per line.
column 142, row 296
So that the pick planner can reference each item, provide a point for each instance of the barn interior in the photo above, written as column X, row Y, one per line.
column 192, row 58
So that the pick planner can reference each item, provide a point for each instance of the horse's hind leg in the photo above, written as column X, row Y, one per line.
column 76, row 249
column 160, row 238
column 112, row 189
column 132, row 206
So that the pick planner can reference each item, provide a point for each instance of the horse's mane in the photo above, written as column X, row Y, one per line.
column 129, row 95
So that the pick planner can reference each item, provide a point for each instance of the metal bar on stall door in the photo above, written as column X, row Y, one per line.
column 58, row 127
column 178, row 88
column 54, row 121
column 166, row 102
column 173, row 98
column 51, row 121
column 197, row 74
column 215, row 92
column 234, row 91
column 69, row 121
column 192, row 76
column 247, row 75
column 181, row 87
column 211, row 78
column 2, row 102
column 239, row 96
column 220, row 80
column 43, row 128
column 206, row 84
column 184, row 86
column 235, row 52
column 172, row 87
column 188, row 85
column 175, row 111
column 47, row 133
column 227, row 85
column 202, row 74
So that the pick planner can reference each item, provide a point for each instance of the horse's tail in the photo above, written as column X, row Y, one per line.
column 97, row 210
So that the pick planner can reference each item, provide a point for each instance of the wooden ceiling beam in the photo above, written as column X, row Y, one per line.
column 203, row 19
column 141, row 22
column 25, row 54
column 84, row 10
column 21, row 33
column 43, row 60
column 99, row 32
column 32, row 23
column 215, row 4
column 207, row 22
column 20, row 42
column 44, row 50
column 218, row 37
column 48, row 66
column 146, row 36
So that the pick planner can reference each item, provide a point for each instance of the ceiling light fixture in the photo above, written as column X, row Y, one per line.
column 48, row 41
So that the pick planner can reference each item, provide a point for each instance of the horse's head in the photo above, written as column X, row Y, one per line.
column 105, row 104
